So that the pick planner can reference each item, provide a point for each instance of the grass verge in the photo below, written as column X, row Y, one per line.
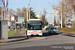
column 67, row 30
column 11, row 33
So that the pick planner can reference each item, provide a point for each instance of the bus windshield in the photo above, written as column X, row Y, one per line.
column 35, row 26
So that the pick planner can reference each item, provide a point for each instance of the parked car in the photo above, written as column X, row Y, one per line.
column 69, row 25
column 52, row 30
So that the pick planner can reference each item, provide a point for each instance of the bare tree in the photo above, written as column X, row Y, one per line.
column 43, row 16
column 23, row 11
column 58, row 21
column 25, row 16
column 12, row 12
column 67, row 9
column 54, row 20
column 19, row 13
column 0, row 12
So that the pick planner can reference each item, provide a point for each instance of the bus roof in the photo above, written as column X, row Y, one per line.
column 34, row 20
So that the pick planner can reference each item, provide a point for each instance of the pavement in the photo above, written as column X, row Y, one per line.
column 12, row 40
column 20, row 35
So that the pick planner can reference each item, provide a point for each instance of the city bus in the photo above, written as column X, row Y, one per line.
column 34, row 27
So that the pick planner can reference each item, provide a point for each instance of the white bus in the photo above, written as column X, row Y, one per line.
column 34, row 27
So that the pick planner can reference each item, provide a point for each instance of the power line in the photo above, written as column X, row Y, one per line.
column 29, row 2
column 52, row 2
column 49, row 3
column 35, row 3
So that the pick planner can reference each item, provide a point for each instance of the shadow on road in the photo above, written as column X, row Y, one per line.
column 61, row 32
column 45, row 34
column 16, row 37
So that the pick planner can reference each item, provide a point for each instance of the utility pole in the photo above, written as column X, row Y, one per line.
column 53, row 19
column 61, row 15
column 15, row 22
column 2, row 12
column 27, row 12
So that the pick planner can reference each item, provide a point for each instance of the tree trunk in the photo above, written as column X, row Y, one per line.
column 74, row 17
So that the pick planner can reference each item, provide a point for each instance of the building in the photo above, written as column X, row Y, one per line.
column 12, row 19
column 38, row 16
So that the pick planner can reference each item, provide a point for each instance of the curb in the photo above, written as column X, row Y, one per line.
column 19, row 40
column 13, row 40
column 37, row 39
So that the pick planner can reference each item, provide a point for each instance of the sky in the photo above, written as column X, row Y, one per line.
column 37, row 5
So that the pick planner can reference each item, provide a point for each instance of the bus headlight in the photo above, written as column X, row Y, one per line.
column 40, row 32
column 28, row 32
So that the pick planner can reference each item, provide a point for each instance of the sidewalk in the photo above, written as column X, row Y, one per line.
column 12, row 40
column 20, row 35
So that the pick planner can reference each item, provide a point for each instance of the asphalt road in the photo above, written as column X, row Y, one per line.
column 49, row 47
column 53, row 42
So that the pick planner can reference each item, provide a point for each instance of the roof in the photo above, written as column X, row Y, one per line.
column 34, row 20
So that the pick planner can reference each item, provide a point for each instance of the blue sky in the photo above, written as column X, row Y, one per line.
column 37, row 5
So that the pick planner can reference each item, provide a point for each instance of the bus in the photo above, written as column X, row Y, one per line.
column 34, row 27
